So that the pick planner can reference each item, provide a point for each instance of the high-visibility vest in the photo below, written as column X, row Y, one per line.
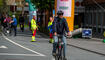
column 49, row 24
column 33, row 24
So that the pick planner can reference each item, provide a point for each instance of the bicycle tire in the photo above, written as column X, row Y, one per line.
column 62, row 53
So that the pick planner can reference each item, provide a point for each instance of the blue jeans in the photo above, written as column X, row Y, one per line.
column 56, row 41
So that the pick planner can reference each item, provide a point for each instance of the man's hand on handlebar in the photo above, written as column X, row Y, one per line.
column 55, row 34
column 68, row 34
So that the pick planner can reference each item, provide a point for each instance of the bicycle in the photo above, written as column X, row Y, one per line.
column 7, row 30
column 60, row 49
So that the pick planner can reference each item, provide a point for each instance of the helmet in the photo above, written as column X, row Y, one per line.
column 13, row 16
column 60, row 12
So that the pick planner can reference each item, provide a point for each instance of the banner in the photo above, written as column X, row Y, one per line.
column 67, row 6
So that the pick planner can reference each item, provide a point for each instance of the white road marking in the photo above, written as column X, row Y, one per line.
column 22, row 46
column 4, row 47
column 18, row 54
column 53, row 58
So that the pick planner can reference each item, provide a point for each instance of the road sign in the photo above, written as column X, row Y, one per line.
column 87, row 33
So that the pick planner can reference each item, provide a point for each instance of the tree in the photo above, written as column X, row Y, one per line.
column 44, row 4
column 4, row 8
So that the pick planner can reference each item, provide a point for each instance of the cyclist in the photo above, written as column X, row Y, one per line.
column 60, row 26
column 7, row 20
column 50, row 24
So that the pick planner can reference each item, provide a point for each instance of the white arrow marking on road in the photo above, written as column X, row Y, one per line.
column 4, row 47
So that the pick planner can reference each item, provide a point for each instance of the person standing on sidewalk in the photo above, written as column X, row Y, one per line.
column 14, row 25
column 33, row 28
column 50, row 24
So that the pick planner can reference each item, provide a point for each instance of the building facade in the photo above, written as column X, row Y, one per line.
column 79, row 14
column 94, row 16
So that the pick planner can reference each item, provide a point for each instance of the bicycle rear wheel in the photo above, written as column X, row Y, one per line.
column 57, row 53
column 62, row 53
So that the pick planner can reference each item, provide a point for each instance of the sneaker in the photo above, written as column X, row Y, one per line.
column 52, row 41
column 33, row 40
column 54, row 54
column 64, row 58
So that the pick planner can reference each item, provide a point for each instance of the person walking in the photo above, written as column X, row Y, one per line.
column 14, row 25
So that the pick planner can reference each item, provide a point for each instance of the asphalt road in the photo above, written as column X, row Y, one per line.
column 20, row 48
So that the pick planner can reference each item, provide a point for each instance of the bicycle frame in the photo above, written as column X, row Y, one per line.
column 59, row 49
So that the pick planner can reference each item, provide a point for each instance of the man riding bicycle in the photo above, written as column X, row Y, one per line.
column 60, row 26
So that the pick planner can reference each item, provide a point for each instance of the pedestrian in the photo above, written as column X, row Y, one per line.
column 14, row 25
column 50, row 24
column 33, row 28
column 21, row 22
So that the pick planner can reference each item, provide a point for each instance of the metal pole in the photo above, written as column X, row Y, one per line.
column 102, row 21
column 97, row 22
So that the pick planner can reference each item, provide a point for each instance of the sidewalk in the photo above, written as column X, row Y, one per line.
column 90, row 45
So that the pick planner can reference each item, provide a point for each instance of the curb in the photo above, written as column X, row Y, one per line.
column 97, row 39
column 87, row 50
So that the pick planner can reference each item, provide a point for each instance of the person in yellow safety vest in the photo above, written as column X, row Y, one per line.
column 33, row 28
column 50, row 24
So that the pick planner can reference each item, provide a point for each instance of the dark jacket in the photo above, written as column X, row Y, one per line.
column 21, row 19
column 60, row 25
